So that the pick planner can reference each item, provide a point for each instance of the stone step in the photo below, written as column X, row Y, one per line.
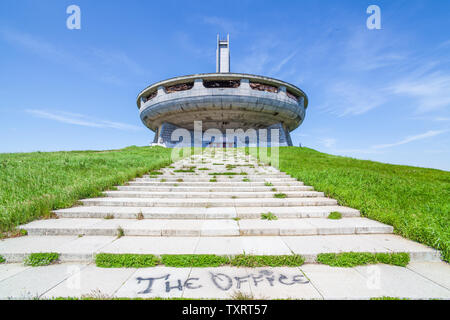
column 203, row 213
column 205, row 228
column 193, row 202
column 210, row 195
column 209, row 173
column 213, row 189
column 214, row 184
column 74, row 248
column 239, row 178
column 207, row 170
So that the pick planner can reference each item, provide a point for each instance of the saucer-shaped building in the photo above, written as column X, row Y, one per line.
column 222, row 100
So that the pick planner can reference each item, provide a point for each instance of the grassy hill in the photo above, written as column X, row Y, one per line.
column 33, row 184
column 415, row 201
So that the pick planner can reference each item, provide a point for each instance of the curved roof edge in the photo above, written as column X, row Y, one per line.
column 236, row 76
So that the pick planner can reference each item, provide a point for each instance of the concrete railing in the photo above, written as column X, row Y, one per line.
column 221, row 81
column 198, row 88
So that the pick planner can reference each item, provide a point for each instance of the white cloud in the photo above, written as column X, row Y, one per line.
column 282, row 63
column 431, row 92
column 409, row 139
column 379, row 149
column 85, row 61
column 114, row 59
column 223, row 24
column 327, row 142
column 345, row 98
column 368, row 51
column 80, row 120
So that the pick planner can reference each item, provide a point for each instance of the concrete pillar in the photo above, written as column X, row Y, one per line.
column 198, row 84
column 161, row 91
column 245, row 84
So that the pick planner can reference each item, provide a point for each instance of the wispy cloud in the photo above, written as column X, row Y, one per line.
column 346, row 98
column 431, row 91
column 87, row 61
column 441, row 119
column 283, row 62
column 409, row 139
column 267, row 55
column 380, row 148
column 223, row 24
column 80, row 120
column 112, row 58
column 40, row 47
column 188, row 45
column 432, row 118
column 368, row 51
column 327, row 142
column 372, row 69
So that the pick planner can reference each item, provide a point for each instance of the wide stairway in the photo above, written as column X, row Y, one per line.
column 222, row 203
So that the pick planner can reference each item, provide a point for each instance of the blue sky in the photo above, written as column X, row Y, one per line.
column 382, row 94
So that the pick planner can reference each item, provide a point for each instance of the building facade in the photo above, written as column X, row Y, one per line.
column 222, row 109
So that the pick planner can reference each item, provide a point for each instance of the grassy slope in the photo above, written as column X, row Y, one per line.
column 32, row 184
column 416, row 201
column 413, row 200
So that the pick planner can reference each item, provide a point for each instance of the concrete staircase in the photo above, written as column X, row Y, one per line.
column 216, row 209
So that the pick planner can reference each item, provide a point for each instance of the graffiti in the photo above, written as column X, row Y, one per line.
column 221, row 281
column 168, row 286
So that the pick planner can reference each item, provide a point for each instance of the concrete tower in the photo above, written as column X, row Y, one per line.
column 223, row 55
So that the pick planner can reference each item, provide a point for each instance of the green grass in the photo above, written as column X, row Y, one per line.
column 280, row 195
column 268, row 216
column 239, row 295
column 186, row 170
column 267, row 261
column 268, row 184
column 388, row 298
column 108, row 260
column 193, row 260
column 228, row 174
column 2, row 260
column 41, row 259
column 335, row 215
column 95, row 298
column 120, row 232
column 33, row 184
column 352, row 259
column 246, row 180
column 413, row 200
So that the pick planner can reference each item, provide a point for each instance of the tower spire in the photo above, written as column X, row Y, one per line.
column 223, row 55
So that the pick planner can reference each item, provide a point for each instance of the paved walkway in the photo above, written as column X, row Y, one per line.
column 420, row 280
column 212, row 204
